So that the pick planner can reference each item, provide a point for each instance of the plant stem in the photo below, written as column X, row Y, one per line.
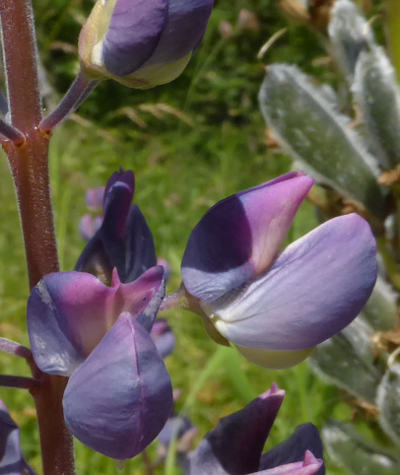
column 76, row 94
column 29, row 166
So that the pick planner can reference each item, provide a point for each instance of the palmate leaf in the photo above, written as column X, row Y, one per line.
column 388, row 400
column 377, row 93
column 311, row 130
column 355, row 455
column 347, row 360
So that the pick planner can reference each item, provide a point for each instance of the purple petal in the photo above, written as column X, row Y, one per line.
column 186, row 23
column 123, row 241
column 235, row 445
column 70, row 312
column 305, row 437
column 310, row 465
column 120, row 398
column 163, row 337
column 316, row 287
column 239, row 237
column 133, row 34
column 11, row 459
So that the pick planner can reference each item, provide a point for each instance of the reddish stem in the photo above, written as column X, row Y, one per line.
column 29, row 165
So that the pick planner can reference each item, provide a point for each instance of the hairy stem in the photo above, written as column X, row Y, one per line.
column 76, row 94
column 29, row 165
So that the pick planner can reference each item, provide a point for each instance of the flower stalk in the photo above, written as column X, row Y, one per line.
column 29, row 166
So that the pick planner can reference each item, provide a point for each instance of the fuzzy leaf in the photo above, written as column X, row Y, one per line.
column 355, row 455
column 346, row 360
column 350, row 34
column 377, row 93
column 308, row 126
column 388, row 401
column 381, row 309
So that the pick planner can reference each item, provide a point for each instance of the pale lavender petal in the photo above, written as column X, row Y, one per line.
column 89, row 225
column 95, row 197
column 310, row 465
column 11, row 458
column 185, row 26
column 236, row 444
column 118, row 401
column 316, row 287
column 133, row 34
column 305, row 437
column 163, row 337
column 239, row 237
column 70, row 312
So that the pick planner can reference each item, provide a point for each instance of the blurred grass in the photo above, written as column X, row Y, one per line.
column 182, row 167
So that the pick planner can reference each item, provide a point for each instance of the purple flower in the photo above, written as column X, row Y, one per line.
column 12, row 461
column 123, row 239
column 119, row 394
column 276, row 306
column 90, row 224
column 235, row 446
column 140, row 43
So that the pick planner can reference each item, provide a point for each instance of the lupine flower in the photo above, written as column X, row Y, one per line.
column 123, row 239
column 89, row 223
column 142, row 44
column 276, row 306
column 235, row 445
column 12, row 461
column 163, row 337
column 119, row 394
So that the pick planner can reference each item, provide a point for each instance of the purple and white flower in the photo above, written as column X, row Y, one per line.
column 276, row 306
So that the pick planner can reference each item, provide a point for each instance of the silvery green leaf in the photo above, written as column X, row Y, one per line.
column 377, row 93
column 350, row 34
column 381, row 308
column 347, row 360
column 313, row 133
column 388, row 401
column 358, row 457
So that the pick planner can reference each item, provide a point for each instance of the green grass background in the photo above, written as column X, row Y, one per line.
column 210, row 146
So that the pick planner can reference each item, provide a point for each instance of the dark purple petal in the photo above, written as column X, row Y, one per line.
column 185, row 26
column 133, row 34
column 163, row 337
column 11, row 459
column 118, row 401
column 316, row 287
column 239, row 237
column 124, row 240
column 236, row 444
column 140, row 252
column 309, row 465
column 305, row 437
column 126, row 178
column 70, row 312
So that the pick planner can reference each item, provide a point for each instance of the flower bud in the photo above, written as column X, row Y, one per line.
column 142, row 43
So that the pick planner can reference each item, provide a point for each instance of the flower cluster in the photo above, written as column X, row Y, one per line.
column 96, row 325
